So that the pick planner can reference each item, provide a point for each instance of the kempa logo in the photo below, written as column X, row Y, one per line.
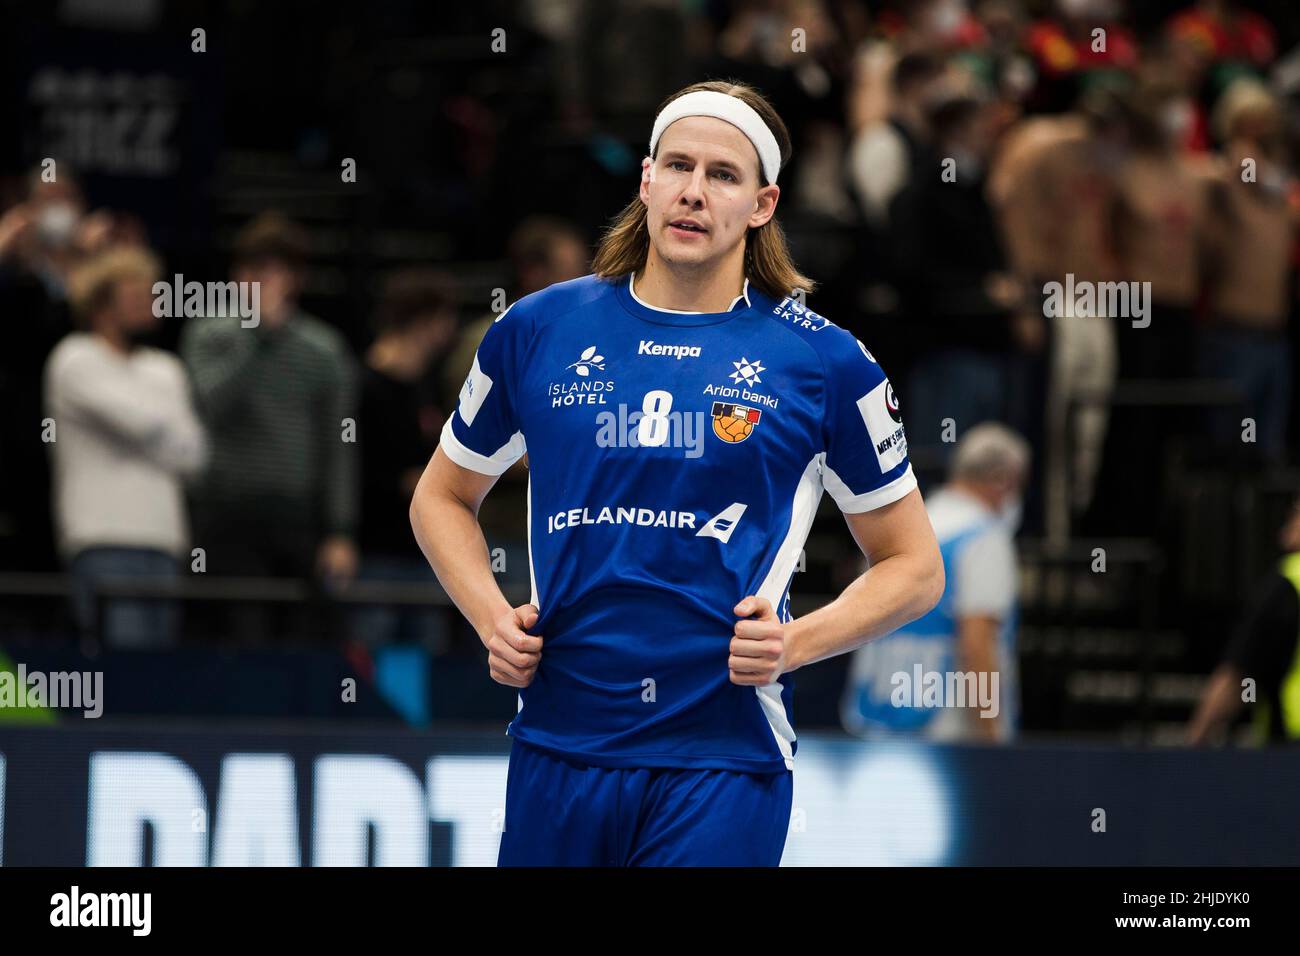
column 71, row 690
column 1119, row 300
column 678, row 352
column 922, row 688
column 747, row 371
column 193, row 300
column 73, row 909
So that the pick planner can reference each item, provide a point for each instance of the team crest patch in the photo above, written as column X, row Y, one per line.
column 734, row 423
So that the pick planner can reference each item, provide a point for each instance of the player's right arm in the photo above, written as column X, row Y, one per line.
column 480, row 440
column 444, row 516
column 1261, row 648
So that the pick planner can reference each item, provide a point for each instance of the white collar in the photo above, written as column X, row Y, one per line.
column 744, row 294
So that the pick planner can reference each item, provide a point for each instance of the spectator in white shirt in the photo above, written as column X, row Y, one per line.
column 951, row 675
column 885, row 152
column 125, row 437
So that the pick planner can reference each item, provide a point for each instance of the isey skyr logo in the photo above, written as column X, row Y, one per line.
column 796, row 313
column 132, row 910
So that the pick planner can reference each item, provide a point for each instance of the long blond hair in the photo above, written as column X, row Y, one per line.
column 625, row 245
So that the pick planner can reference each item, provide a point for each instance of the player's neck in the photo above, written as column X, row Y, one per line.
column 661, row 285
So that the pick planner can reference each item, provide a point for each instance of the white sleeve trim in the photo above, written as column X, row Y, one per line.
column 495, row 464
column 850, row 503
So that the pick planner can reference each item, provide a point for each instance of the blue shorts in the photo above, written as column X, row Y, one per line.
column 562, row 812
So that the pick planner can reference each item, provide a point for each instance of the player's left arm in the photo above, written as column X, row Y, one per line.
column 905, row 579
column 866, row 470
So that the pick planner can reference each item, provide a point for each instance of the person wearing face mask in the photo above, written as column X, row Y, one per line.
column 886, row 154
column 56, row 224
column 954, row 280
column 127, row 439
column 972, row 630
column 41, row 239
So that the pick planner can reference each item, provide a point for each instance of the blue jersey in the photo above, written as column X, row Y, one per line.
column 676, row 461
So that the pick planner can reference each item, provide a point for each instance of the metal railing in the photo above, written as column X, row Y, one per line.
column 230, row 590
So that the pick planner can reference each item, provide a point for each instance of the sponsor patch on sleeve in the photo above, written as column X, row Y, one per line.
column 473, row 393
column 880, row 412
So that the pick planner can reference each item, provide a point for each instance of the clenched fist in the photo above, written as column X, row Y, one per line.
column 513, row 656
column 758, row 651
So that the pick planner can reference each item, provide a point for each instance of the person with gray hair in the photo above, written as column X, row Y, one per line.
column 952, row 675
column 988, row 461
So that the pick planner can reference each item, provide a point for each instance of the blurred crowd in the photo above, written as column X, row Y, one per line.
column 952, row 159
column 266, row 443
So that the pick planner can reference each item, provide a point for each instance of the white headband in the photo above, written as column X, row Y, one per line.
column 734, row 111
